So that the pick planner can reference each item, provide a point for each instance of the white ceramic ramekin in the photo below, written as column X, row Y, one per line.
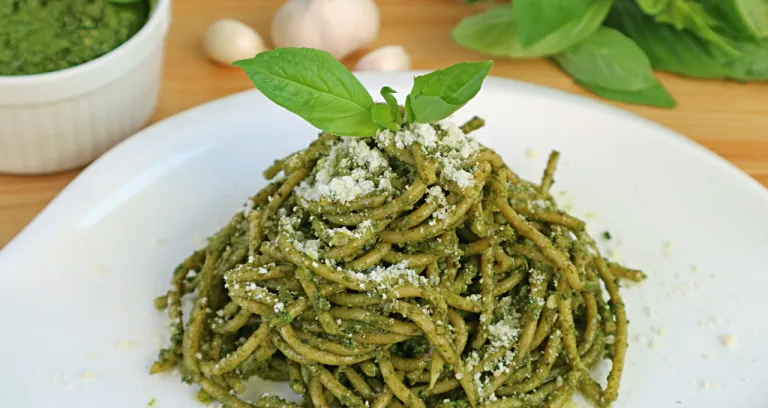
column 65, row 119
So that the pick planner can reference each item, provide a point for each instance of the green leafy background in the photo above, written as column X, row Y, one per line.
column 612, row 47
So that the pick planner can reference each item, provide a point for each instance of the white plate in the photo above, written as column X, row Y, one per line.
column 76, row 287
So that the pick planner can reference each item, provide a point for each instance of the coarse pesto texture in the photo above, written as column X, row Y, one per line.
column 407, row 265
column 412, row 266
column 38, row 36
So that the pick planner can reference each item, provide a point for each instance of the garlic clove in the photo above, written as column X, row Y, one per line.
column 227, row 41
column 388, row 58
column 340, row 27
column 293, row 27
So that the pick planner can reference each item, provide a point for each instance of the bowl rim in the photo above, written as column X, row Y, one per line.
column 156, row 18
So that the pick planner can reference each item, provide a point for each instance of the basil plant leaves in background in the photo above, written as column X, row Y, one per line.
column 611, row 47
column 613, row 66
column 496, row 31
column 321, row 90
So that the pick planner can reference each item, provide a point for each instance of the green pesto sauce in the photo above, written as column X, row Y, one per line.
column 38, row 36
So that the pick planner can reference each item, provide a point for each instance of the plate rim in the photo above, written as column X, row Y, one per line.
column 167, row 142
column 683, row 142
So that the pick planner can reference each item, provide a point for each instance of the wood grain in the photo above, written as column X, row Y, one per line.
column 727, row 117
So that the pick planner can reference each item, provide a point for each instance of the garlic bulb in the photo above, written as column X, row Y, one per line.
column 230, row 40
column 337, row 26
column 388, row 58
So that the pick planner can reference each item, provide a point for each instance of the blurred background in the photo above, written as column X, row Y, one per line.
column 728, row 117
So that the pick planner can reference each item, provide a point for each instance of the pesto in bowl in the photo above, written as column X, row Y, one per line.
column 38, row 36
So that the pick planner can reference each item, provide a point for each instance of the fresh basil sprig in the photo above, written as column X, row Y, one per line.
column 388, row 94
column 317, row 87
column 698, row 38
column 439, row 94
column 382, row 116
column 685, row 53
column 388, row 115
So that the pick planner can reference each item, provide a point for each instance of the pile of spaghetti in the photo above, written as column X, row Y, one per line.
column 413, row 269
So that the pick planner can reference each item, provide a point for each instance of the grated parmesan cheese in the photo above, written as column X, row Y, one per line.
column 351, row 170
column 125, row 345
column 551, row 302
column 445, row 142
column 505, row 332
column 393, row 275
column 436, row 196
column 311, row 248
column 709, row 385
column 247, row 207
column 730, row 341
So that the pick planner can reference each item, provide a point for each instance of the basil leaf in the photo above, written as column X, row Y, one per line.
column 684, row 53
column 679, row 52
column 749, row 18
column 654, row 95
column 613, row 66
column 437, row 95
column 538, row 18
column 494, row 31
column 314, row 85
column 410, row 117
column 653, row 7
column 687, row 15
column 457, row 84
column 750, row 65
column 608, row 59
column 382, row 116
column 387, row 94
column 428, row 109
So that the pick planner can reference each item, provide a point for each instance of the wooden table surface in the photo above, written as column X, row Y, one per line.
column 727, row 117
